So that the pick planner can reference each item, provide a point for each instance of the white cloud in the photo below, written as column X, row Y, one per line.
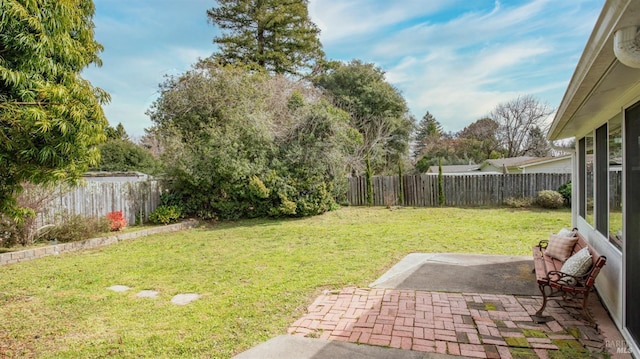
column 458, row 61
column 344, row 19
column 132, row 82
column 144, row 41
column 454, row 58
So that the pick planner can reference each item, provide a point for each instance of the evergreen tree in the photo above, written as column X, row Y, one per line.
column 428, row 130
column 377, row 110
column 118, row 133
column 400, row 184
column 50, row 118
column 441, row 197
column 537, row 144
column 276, row 35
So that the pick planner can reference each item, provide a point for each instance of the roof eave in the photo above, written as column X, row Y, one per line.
column 596, row 62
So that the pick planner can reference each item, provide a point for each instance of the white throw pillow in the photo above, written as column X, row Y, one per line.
column 564, row 232
column 578, row 264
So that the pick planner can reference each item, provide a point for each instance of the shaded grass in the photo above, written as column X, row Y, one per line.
column 256, row 278
column 39, row 242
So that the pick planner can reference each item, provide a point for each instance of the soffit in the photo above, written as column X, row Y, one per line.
column 601, row 86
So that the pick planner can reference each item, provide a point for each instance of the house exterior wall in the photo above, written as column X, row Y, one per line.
column 494, row 169
column 560, row 166
column 490, row 168
column 610, row 283
column 601, row 91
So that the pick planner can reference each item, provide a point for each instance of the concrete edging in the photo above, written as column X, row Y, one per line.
column 39, row 252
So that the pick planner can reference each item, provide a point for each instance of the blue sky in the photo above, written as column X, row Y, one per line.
column 456, row 59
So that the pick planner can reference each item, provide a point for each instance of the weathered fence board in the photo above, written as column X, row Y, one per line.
column 96, row 199
column 459, row 190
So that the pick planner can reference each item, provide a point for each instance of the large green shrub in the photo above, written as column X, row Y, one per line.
column 549, row 199
column 245, row 144
column 519, row 202
column 565, row 191
column 165, row 215
column 124, row 155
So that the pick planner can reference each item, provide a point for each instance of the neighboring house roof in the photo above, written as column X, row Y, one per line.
column 454, row 169
column 544, row 160
column 499, row 163
column 509, row 162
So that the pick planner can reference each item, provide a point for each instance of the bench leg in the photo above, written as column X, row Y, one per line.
column 585, row 311
column 538, row 317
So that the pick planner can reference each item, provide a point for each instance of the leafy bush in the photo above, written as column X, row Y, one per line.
column 22, row 229
column 13, row 232
column 124, row 155
column 518, row 202
column 549, row 199
column 236, row 147
column 117, row 220
column 165, row 215
column 565, row 191
column 257, row 188
column 76, row 228
column 170, row 199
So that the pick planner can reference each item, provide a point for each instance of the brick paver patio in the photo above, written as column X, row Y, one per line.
column 471, row 325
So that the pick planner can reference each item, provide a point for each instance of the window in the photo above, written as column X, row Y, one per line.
column 589, row 180
column 601, row 174
column 582, row 208
column 615, row 182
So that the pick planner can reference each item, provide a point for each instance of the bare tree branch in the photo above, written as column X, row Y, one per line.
column 516, row 119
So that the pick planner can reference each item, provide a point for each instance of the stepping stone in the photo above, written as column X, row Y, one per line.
column 147, row 294
column 119, row 288
column 182, row 299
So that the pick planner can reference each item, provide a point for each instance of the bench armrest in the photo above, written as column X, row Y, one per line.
column 543, row 244
column 565, row 279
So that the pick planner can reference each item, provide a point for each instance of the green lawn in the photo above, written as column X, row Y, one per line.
column 256, row 278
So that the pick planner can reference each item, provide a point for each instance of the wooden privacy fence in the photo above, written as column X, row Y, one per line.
column 459, row 190
column 96, row 199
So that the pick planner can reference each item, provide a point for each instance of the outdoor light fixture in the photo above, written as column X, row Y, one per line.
column 626, row 46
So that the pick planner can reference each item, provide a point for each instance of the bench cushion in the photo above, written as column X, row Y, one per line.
column 544, row 264
column 560, row 247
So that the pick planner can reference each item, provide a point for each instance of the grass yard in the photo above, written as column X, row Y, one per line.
column 256, row 277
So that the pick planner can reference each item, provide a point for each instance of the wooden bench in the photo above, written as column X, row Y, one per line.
column 552, row 281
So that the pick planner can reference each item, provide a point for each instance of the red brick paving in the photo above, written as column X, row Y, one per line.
column 471, row 325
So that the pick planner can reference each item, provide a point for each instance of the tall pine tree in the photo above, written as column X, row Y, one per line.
column 537, row 144
column 428, row 130
column 276, row 35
